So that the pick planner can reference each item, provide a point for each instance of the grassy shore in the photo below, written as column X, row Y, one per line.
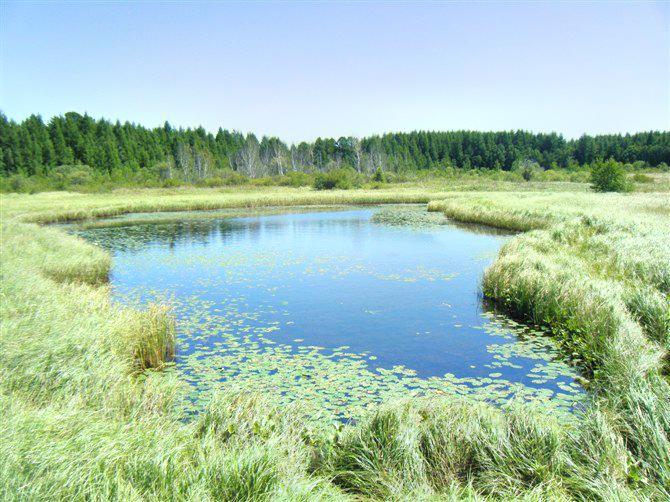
column 87, row 411
column 596, row 272
column 52, row 207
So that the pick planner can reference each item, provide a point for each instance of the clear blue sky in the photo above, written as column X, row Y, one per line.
column 304, row 70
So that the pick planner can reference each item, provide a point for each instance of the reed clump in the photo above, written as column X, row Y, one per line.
column 150, row 335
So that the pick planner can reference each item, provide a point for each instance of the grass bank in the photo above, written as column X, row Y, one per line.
column 87, row 411
column 595, row 270
column 53, row 207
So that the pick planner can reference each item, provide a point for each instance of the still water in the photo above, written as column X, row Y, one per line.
column 333, row 310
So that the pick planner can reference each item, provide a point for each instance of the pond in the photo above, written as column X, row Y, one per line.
column 333, row 310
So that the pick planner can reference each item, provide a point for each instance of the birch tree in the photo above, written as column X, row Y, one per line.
column 376, row 158
column 247, row 159
column 278, row 157
column 357, row 153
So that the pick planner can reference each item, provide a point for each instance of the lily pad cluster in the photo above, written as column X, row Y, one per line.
column 225, row 346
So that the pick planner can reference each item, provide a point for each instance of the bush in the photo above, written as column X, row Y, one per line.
column 396, row 177
column 211, row 182
column 579, row 176
column 265, row 181
column 550, row 175
column 235, row 178
column 609, row 176
column 341, row 179
column 73, row 177
column 527, row 168
column 17, row 183
column 642, row 178
column 161, row 170
column 295, row 179
column 171, row 183
column 378, row 176
column 80, row 177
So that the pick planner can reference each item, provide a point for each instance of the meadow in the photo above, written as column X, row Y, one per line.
column 88, row 410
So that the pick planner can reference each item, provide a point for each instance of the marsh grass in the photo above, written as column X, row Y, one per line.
column 151, row 336
column 86, row 416
column 436, row 449
column 598, row 279
column 53, row 207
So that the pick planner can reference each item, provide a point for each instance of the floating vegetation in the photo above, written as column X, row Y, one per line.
column 409, row 216
column 337, row 383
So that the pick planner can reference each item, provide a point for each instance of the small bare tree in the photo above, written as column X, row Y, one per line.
column 527, row 168
column 164, row 170
column 301, row 156
column 376, row 158
column 184, row 161
column 278, row 157
column 357, row 151
column 202, row 162
column 293, row 155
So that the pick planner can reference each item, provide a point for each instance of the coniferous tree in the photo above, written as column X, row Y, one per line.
column 118, row 150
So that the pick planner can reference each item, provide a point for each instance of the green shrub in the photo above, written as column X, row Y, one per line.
column 18, row 183
column 296, row 179
column 579, row 176
column 77, row 177
column 213, row 181
column 395, row 177
column 642, row 178
column 265, row 181
column 527, row 168
column 235, row 178
column 341, row 179
column 609, row 176
column 171, row 182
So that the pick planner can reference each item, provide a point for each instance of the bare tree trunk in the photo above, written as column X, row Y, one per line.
column 278, row 157
column 358, row 152
column 184, row 160
column 294, row 160
column 377, row 158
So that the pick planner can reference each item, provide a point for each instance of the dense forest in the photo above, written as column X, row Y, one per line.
column 36, row 148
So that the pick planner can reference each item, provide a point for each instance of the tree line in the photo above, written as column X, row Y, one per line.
column 35, row 148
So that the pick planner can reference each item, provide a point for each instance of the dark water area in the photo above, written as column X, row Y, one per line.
column 333, row 310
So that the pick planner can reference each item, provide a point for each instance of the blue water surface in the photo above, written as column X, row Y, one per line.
column 397, row 296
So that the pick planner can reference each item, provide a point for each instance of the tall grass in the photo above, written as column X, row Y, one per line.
column 150, row 336
column 435, row 449
column 598, row 278
column 86, row 415
column 53, row 207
